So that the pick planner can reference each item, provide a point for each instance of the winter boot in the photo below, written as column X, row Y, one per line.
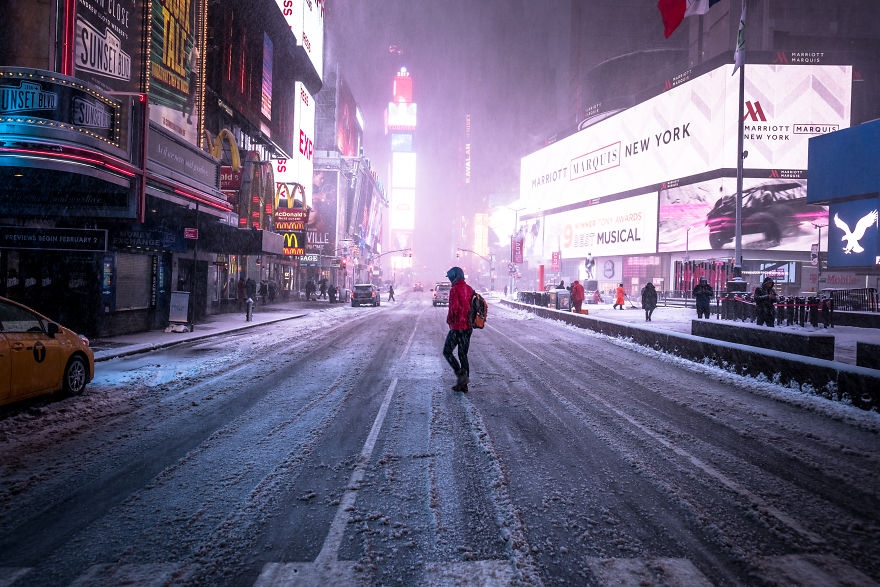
column 462, row 381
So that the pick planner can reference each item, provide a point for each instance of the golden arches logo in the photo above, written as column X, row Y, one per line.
column 291, row 240
column 287, row 194
column 214, row 146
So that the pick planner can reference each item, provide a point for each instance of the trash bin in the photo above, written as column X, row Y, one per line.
column 563, row 300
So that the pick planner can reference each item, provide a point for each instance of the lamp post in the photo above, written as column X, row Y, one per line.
column 490, row 260
column 513, row 235
column 819, row 253
column 687, row 245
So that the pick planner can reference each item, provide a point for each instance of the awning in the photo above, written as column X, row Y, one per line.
column 222, row 238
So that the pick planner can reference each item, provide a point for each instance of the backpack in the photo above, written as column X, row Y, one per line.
column 478, row 311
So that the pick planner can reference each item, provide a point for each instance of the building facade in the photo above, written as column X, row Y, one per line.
column 117, row 123
column 644, row 188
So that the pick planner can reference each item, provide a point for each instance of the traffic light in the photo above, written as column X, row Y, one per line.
column 457, row 253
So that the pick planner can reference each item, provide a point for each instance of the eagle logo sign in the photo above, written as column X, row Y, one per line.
column 852, row 237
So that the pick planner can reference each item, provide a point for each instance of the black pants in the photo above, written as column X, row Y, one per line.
column 462, row 340
column 703, row 309
column 764, row 316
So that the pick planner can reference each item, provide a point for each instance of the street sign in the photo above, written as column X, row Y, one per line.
column 192, row 233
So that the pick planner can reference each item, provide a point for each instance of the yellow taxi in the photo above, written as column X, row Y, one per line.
column 39, row 356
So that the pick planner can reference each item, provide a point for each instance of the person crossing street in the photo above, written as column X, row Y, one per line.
column 459, row 335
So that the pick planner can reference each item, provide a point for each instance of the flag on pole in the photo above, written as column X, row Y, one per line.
column 673, row 12
column 739, row 57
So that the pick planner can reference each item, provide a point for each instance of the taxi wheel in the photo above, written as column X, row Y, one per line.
column 75, row 376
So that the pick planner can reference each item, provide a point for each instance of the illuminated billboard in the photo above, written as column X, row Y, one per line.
column 306, row 21
column 403, row 170
column 403, row 184
column 702, row 215
column 626, row 226
column 853, row 235
column 403, row 209
column 691, row 129
column 175, row 67
column 400, row 116
column 349, row 130
column 108, row 44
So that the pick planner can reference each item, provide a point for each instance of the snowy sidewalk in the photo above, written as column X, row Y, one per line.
column 139, row 342
column 678, row 319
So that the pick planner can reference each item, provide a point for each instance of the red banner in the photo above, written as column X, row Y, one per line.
column 516, row 249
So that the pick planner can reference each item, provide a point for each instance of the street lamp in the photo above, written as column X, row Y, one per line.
column 687, row 244
column 490, row 260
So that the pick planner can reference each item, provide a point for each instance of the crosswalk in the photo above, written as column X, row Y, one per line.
column 793, row 570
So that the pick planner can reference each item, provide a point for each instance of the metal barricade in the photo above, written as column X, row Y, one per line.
column 853, row 300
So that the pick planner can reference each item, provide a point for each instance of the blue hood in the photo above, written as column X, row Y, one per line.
column 455, row 274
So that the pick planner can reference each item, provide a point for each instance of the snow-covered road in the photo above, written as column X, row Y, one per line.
column 330, row 450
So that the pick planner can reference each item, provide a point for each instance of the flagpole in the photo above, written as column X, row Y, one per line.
column 739, row 62
column 737, row 254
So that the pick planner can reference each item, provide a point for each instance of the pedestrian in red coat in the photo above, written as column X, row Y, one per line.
column 460, row 329
column 577, row 296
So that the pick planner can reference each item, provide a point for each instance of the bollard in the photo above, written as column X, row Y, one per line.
column 813, row 304
column 827, row 312
column 249, row 312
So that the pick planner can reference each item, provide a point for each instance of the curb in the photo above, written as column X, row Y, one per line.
column 138, row 348
column 830, row 379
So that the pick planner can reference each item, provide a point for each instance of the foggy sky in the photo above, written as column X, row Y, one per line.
column 502, row 61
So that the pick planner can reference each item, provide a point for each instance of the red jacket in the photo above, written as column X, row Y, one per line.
column 459, row 306
column 577, row 292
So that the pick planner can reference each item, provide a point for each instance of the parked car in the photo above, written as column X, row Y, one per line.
column 365, row 294
column 38, row 356
column 441, row 294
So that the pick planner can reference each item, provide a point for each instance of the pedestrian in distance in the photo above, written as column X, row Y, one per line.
column 765, row 300
column 250, row 287
column 619, row 296
column 390, row 293
column 649, row 300
column 241, row 292
column 459, row 335
column 703, row 296
column 561, row 284
column 577, row 295
column 597, row 297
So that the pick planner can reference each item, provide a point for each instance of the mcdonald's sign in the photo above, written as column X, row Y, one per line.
column 214, row 145
column 294, row 243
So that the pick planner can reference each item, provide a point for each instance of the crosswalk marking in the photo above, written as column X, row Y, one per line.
column 487, row 573
column 632, row 572
column 813, row 569
column 790, row 570
column 9, row 575
column 133, row 575
column 307, row 574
